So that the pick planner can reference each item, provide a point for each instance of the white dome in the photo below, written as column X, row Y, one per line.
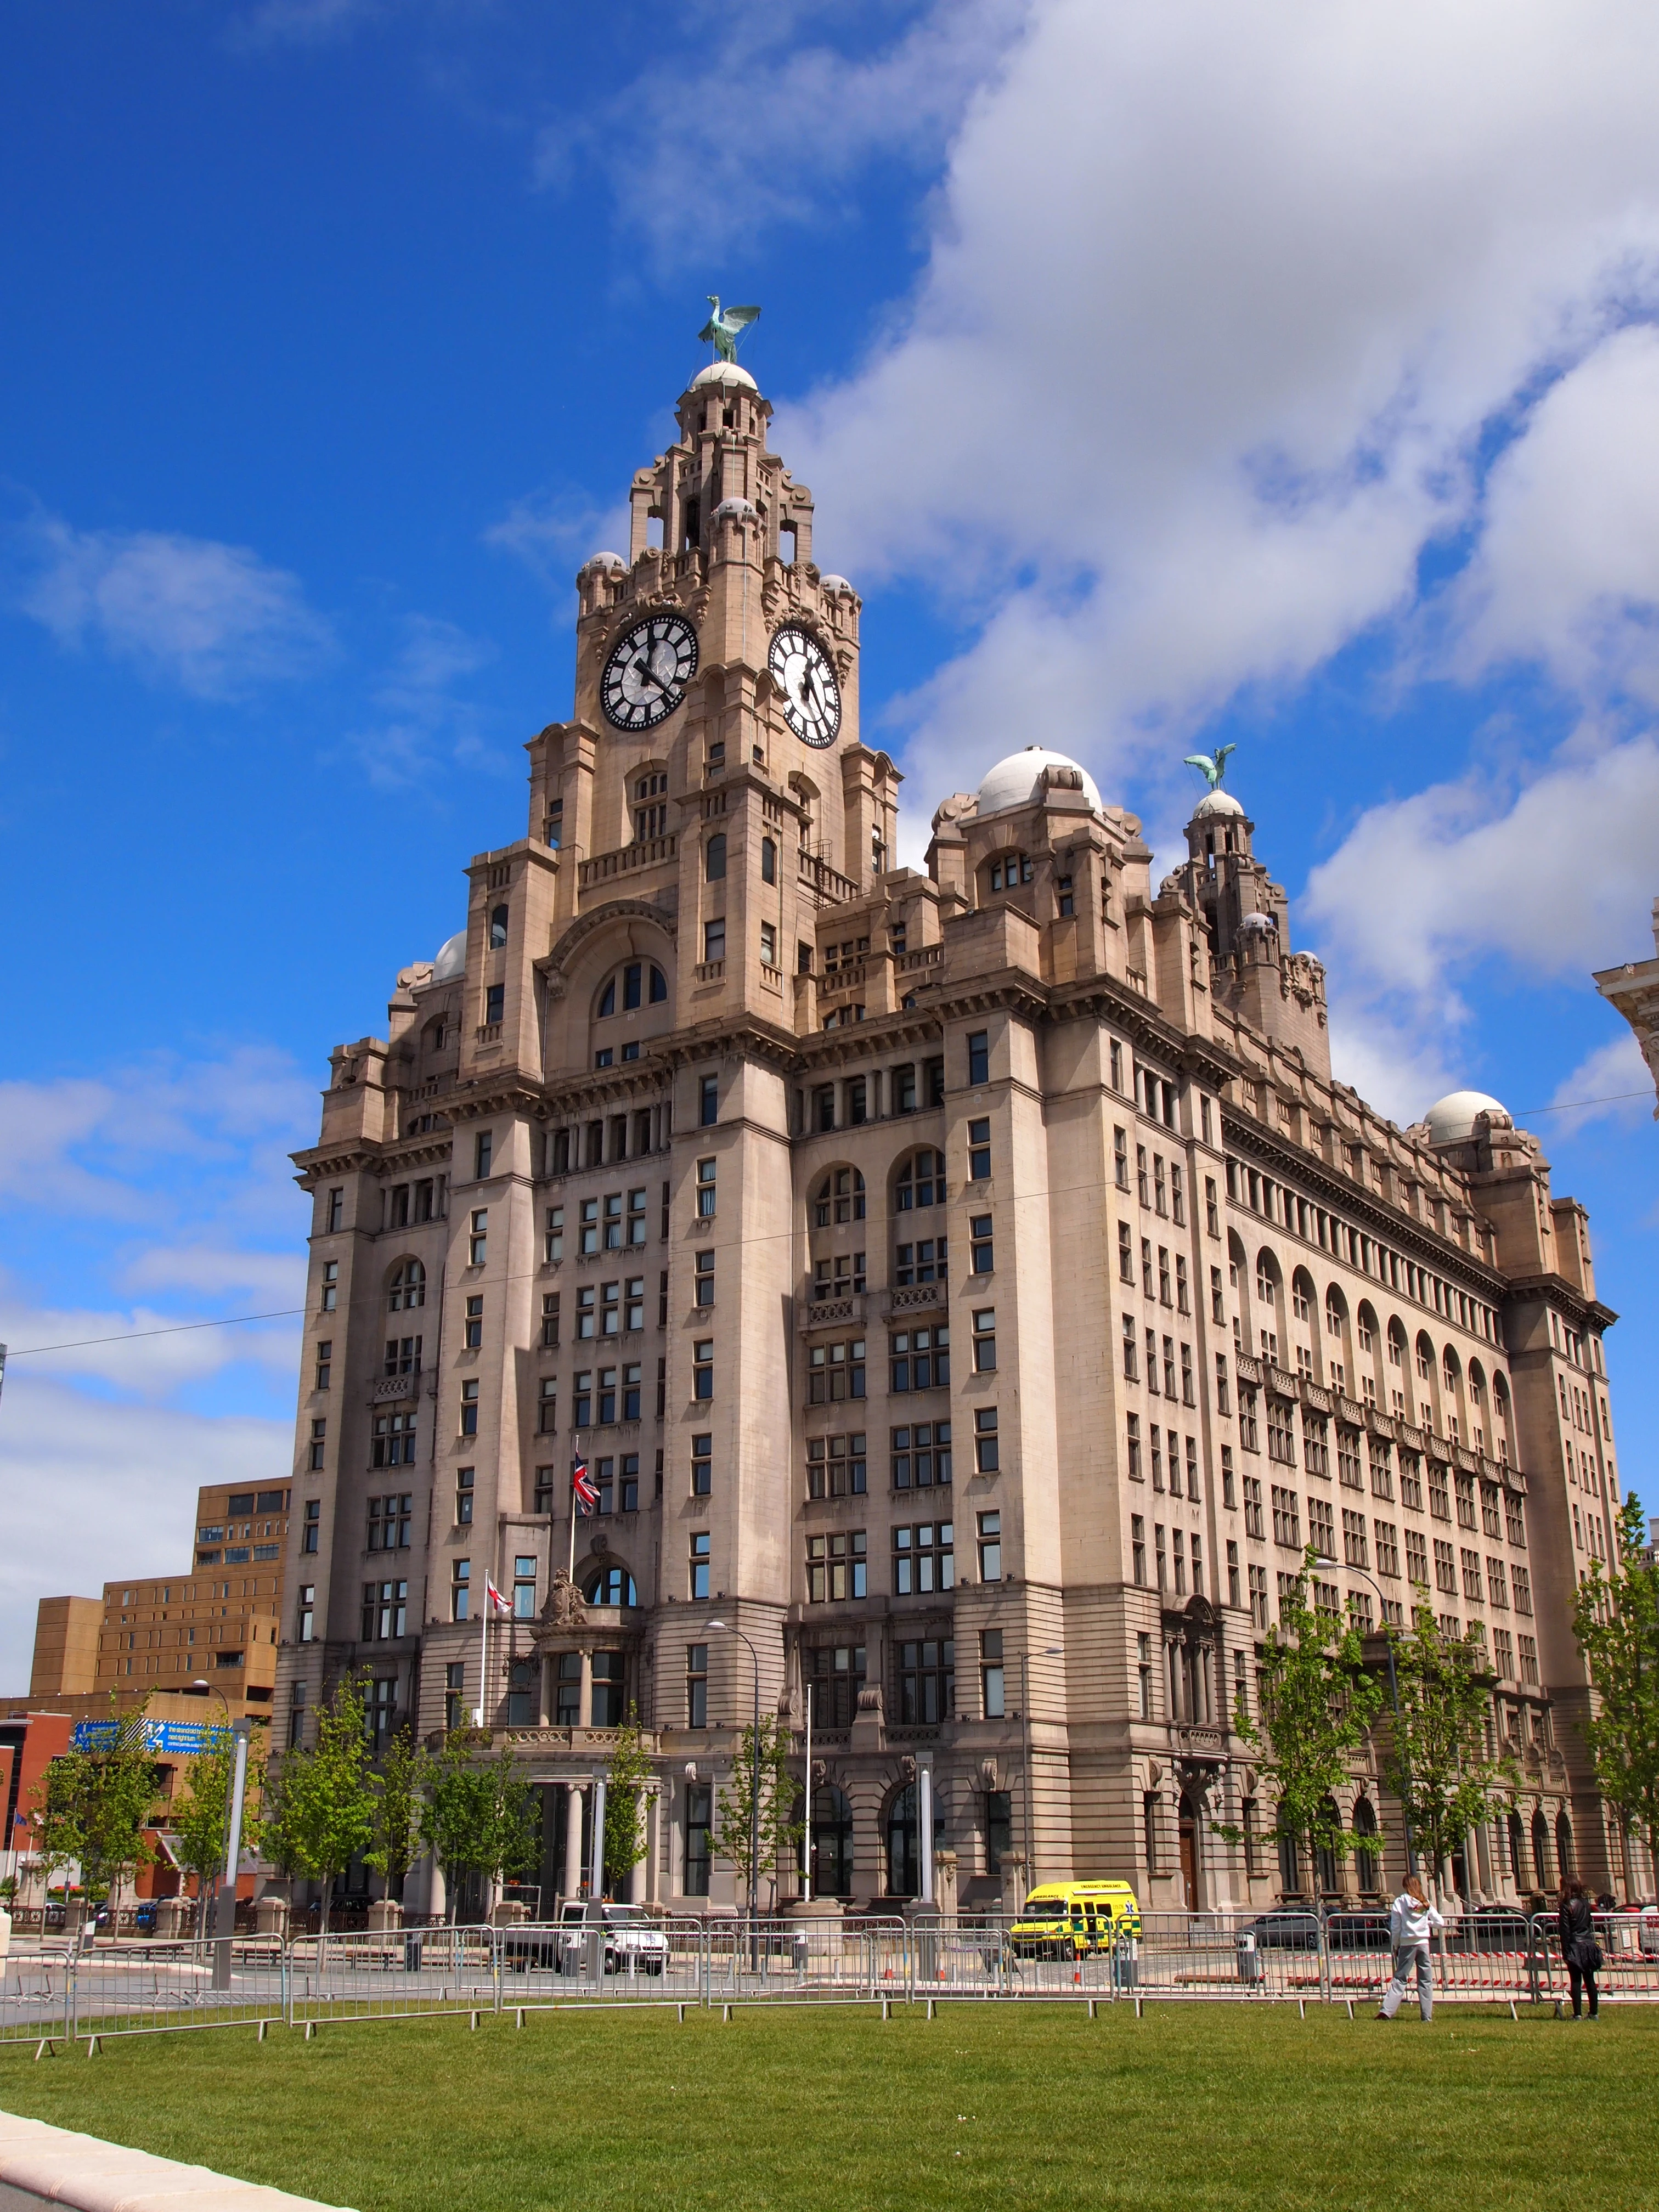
column 1451, row 1119
column 740, row 509
column 1214, row 802
column 837, row 584
column 602, row 561
column 451, row 959
column 1018, row 779
column 724, row 371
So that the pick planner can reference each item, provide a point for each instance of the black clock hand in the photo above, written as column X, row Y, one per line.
column 642, row 666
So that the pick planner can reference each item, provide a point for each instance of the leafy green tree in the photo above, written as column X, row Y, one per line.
column 778, row 1791
column 477, row 1815
column 625, row 1805
column 1616, row 1621
column 399, row 1795
column 93, row 1807
column 199, row 1818
column 1438, row 1764
column 1318, row 1703
column 320, row 1803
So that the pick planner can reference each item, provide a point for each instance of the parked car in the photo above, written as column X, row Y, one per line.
column 630, row 1940
column 1358, row 1931
column 1284, row 1931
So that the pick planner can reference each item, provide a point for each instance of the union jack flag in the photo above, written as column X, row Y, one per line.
column 583, row 1486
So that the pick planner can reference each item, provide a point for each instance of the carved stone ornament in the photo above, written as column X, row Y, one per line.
column 565, row 1608
column 601, row 1542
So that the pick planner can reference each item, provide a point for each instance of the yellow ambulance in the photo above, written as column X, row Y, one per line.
column 1070, row 1919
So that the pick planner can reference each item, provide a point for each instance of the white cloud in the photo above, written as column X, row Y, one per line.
column 426, row 720
column 1554, row 878
column 95, row 1490
column 213, row 619
column 553, row 533
column 1219, row 305
column 1612, row 1084
column 760, row 114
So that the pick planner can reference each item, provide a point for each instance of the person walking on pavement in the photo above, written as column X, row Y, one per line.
column 1411, row 1923
column 1580, row 1952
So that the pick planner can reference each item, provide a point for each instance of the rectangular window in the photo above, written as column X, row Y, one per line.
column 1287, row 1518
column 307, row 1614
column 494, row 1002
column 713, row 939
column 1472, row 1587
column 992, row 1703
column 980, row 1262
column 701, row 1541
column 1211, row 1208
column 837, row 1567
column 313, row 1515
column 1354, row 1548
column 985, row 1460
column 1445, row 1568
column 985, row 1341
column 918, row 1359
column 1528, row 1646
column 923, row 1558
column 460, row 1590
column 921, row 1456
column 636, row 1230
column 979, row 1056
column 324, row 1362
column 703, row 1368
column 979, row 1151
column 335, row 1210
column 1132, row 1454
column 1388, row 1549
column 699, row 1836
column 319, row 1445
column 990, row 1547
column 478, row 1239
column 470, row 1409
column 696, row 1686
column 483, row 1147
column 1131, row 1364
column 768, row 944
column 708, row 1101
column 1258, row 1586
column 705, row 1190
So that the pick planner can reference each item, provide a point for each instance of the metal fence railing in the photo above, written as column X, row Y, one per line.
column 100, row 1988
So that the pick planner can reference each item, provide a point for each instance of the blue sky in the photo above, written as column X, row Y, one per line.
column 1161, row 378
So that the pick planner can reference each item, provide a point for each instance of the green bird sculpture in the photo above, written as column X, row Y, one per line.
column 725, row 326
column 1212, row 766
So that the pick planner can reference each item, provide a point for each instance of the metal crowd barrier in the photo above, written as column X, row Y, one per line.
column 128, row 1988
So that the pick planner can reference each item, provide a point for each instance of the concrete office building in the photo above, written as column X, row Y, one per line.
column 970, row 1285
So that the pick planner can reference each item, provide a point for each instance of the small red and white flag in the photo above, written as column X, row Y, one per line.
column 583, row 1487
column 493, row 1596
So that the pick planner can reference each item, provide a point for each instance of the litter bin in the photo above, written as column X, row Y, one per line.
column 411, row 1954
column 1249, row 1956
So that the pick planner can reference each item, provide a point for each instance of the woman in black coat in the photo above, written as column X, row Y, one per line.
column 1580, row 1952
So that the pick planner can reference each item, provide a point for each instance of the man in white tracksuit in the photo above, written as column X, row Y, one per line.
column 1410, row 1925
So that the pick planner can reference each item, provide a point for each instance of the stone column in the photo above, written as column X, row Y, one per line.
column 584, row 1709
column 653, row 1847
column 573, row 1840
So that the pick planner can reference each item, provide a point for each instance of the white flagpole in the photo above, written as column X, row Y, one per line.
column 483, row 1656
column 806, row 1862
column 575, row 1453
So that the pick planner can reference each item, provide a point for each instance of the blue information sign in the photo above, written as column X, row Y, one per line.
column 184, row 1738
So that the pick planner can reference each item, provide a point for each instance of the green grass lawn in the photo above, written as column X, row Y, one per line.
column 985, row 2105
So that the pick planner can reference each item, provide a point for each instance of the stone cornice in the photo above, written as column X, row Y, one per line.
column 1290, row 1162
column 1556, row 1291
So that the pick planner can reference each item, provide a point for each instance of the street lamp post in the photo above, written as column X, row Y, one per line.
column 1324, row 1559
column 1050, row 1651
column 754, row 1775
column 225, row 1909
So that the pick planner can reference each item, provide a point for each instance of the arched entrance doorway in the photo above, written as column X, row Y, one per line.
column 1190, row 1853
column 832, row 1842
column 1368, row 1851
column 1564, row 1851
column 1326, row 1869
column 1540, row 1849
column 904, row 1841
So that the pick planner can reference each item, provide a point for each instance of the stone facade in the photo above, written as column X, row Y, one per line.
column 969, row 1285
column 1634, row 990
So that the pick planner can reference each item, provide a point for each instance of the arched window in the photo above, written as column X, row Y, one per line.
column 768, row 860
column 611, row 1585
column 1563, row 1857
column 406, row 1287
column 1518, row 1836
column 832, row 1864
column 921, row 1181
column 1396, row 1345
column 1425, row 1356
column 840, row 1198
column 639, row 983
column 1540, row 1851
column 497, row 928
column 1289, row 1864
column 1302, row 1293
column 1008, row 871
column 1325, row 1862
column 713, row 857
column 437, row 1034
column 904, row 1841
column 1267, row 1277
column 1450, row 1369
column 1336, row 1313
column 1365, row 1329
column 1368, row 1851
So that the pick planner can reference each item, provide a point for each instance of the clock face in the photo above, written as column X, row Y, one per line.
column 812, row 697
column 648, row 669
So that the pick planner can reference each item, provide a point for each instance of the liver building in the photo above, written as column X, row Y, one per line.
column 970, row 1287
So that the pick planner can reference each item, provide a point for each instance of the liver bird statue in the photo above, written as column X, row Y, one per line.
column 725, row 326
column 1211, row 766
